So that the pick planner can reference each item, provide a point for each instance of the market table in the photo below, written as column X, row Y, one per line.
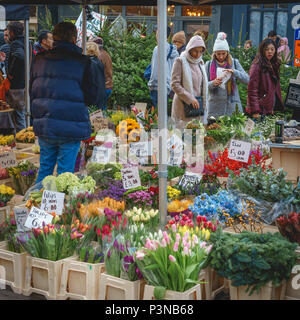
column 287, row 156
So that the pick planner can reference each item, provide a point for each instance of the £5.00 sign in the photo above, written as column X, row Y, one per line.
column 8, row 159
column 239, row 150
column 36, row 218
column 131, row 178
column 53, row 201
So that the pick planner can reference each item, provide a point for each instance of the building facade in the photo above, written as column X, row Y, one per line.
column 240, row 22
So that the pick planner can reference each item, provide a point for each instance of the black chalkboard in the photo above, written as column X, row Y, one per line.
column 292, row 99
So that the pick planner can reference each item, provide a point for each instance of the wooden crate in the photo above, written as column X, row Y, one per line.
column 292, row 290
column 15, row 201
column 213, row 283
column 268, row 292
column 21, row 145
column 4, row 213
column 191, row 294
column 14, row 266
column 8, row 182
column 80, row 280
column 43, row 277
column 113, row 288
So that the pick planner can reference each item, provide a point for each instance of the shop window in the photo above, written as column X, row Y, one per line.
column 112, row 10
column 254, row 27
column 33, row 11
column 196, row 11
column 147, row 11
column 282, row 18
column 268, row 23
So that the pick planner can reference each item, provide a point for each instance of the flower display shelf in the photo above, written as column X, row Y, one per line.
column 213, row 283
column 292, row 292
column 191, row 294
column 12, row 268
column 43, row 277
column 268, row 292
column 113, row 288
column 4, row 213
column 80, row 280
column 22, row 145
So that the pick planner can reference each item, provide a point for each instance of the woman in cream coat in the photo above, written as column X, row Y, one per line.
column 189, row 80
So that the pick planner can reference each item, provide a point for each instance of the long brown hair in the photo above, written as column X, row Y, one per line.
column 228, row 58
column 273, row 65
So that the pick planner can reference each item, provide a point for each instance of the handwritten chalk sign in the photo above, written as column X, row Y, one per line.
column 239, row 150
column 8, row 159
column 250, row 124
column 21, row 215
column 98, row 121
column 101, row 154
column 53, row 201
column 189, row 180
column 141, row 149
column 36, row 218
column 130, row 178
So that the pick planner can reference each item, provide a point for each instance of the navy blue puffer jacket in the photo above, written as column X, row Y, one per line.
column 62, row 85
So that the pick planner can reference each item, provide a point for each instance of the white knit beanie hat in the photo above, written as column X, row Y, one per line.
column 221, row 43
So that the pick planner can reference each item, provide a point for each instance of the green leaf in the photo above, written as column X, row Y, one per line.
column 242, row 257
column 159, row 293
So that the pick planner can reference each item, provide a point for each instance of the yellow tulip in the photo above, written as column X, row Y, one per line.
column 207, row 234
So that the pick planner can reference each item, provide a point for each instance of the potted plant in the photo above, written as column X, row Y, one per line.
column 255, row 264
column 171, row 266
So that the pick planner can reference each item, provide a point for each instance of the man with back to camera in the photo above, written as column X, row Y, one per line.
column 62, row 85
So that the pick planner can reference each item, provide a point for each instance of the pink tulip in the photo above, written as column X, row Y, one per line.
column 186, row 235
column 172, row 258
column 174, row 228
column 156, row 244
column 208, row 249
column 149, row 245
column 178, row 237
column 163, row 243
column 202, row 244
column 166, row 237
column 195, row 239
column 175, row 248
column 185, row 251
column 140, row 255
column 188, row 244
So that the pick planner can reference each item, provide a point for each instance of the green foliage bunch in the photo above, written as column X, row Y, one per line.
column 252, row 259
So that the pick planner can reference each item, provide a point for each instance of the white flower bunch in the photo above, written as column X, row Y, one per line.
column 139, row 215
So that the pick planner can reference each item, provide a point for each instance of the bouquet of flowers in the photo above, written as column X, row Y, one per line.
column 142, row 199
column 149, row 217
column 289, row 226
column 6, row 193
column 173, row 263
column 51, row 242
column 8, row 227
column 119, row 261
column 23, row 175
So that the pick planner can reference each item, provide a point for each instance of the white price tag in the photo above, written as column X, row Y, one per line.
column 190, row 179
column 36, row 218
column 131, row 178
column 21, row 215
column 250, row 124
column 140, row 122
column 174, row 143
column 8, row 159
column 239, row 150
column 53, row 201
column 101, row 154
column 141, row 149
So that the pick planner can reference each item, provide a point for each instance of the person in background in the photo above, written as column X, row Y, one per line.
column 223, row 101
column 105, row 58
column 273, row 35
column 248, row 44
column 16, row 73
column 179, row 40
column 200, row 33
column 44, row 43
column 62, row 86
column 172, row 54
column 5, row 47
column 189, row 81
column 264, row 93
column 283, row 50
column 92, row 50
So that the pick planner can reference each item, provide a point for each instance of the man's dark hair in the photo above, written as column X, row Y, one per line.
column 64, row 31
column 16, row 27
column 43, row 35
column 272, row 33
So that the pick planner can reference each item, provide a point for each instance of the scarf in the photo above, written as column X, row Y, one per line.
column 187, row 81
column 213, row 75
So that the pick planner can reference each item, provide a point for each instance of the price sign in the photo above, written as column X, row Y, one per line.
column 138, row 116
column 53, row 201
column 239, row 150
column 141, row 149
column 97, row 120
column 190, row 179
column 249, row 127
column 21, row 215
column 174, row 143
column 130, row 178
column 101, row 154
column 36, row 218
column 141, row 106
column 8, row 159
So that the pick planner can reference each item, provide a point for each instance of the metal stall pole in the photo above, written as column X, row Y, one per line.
column 162, row 108
column 27, row 73
column 84, row 27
